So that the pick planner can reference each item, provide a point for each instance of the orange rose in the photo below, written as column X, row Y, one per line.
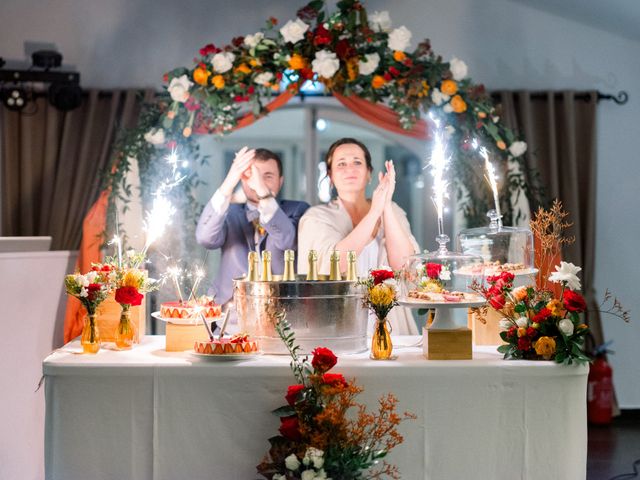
column 218, row 81
column 378, row 81
column 297, row 62
column 449, row 87
column 556, row 307
column 545, row 347
column 186, row 132
column 458, row 104
column 501, row 145
column 201, row 76
column 242, row 68
column 399, row 56
column 519, row 293
column 522, row 332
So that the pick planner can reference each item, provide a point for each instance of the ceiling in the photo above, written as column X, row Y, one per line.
column 621, row 17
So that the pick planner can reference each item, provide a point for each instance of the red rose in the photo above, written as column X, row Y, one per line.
column 542, row 315
column 574, row 302
column 380, row 276
column 128, row 296
column 512, row 332
column 524, row 344
column 293, row 392
column 387, row 76
column 92, row 291
column 208, row 49
column 507, row 277
column 250, row 90
column 334, row 379
column 497, row 301
column 531, row 332
column 237, row 41
column 106, row 267
column 289, row 428
column 433, row 270
column 322, row 36
column 394, row 71
column 323, row 359
column 492, row 279
column 344, row 49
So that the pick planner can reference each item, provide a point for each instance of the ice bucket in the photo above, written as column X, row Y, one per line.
column 321, row 313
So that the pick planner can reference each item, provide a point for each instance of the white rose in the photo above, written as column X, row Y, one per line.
column 447, row 108
column 252, row 41
column 326, row 64
column 91, row 276
column 83, row 292
column 380, row 21
column 277, row 476
column 505, row 324
column 223, row 61
column 392, row 282
column 445, row 274
column 293, row 31
column 155, row 136
column 179, row 88
column 292, row 462
column 308, row 475
column 517, row 148
column 438, row 98
column 566, row 326
column 369, row 65
column 458, row 69
column 522, row 322
column 400, row 39
column 566, row 272
column 263, row 78
column 81, row 280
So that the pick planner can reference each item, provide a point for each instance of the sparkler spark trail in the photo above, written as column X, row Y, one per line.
column 491, row 178
column 438, row 164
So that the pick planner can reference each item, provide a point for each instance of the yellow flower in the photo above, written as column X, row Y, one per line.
column 218, row 81
column 378, row 81
column 201, row 76
column 381, row 294
column 501, row 145
column 254, row 63
column 522, row 331
column 545, row 346
column 352, row 68
column 297, row 62
column 556, row 308
column 449, row 87
column 399, row 56
column 582, row 326
column 458, row 104
column 242, row 68
column 133, row 278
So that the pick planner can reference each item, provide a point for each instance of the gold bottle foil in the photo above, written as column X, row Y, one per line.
column 252, row 262
column 266, row 266
column 312, row 272
column 289, row 274
column 352, row 269
column 334, row 272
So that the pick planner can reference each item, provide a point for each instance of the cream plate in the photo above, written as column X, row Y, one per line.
column 179, row 321
column 226, row 357
column 516, row 273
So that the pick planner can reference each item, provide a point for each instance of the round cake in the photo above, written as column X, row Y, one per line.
column 185, row 310
column 239, row 343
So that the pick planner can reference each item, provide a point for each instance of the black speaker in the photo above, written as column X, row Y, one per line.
column 65, row 96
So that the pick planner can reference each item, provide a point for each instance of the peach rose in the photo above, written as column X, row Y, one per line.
column 449, row 87
column 458, row 104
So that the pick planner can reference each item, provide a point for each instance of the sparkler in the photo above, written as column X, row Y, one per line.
column 491, row 178
column 439, row 163
column 198, row 273
column 174, row 273
column 157, row 220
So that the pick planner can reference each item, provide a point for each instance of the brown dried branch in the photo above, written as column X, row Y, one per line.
column 616, row 309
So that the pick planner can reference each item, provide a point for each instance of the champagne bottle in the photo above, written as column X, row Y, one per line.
column 289, row 274
column 334, row 272
column 252, row 261
column 312, row 273
column 266, row 266
column 352, row 270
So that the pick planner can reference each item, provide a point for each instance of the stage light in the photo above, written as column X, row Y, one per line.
column 14, row 98
column 65, row 96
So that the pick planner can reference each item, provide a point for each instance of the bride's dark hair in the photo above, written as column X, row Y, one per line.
column 348, row 141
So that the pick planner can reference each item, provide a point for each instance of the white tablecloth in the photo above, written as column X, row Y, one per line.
column 148, row 414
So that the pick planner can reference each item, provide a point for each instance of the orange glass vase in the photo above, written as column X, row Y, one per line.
column 125, row 333
column 90, row 339
column 381, row 345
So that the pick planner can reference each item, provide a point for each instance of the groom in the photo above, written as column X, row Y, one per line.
column 262, row 223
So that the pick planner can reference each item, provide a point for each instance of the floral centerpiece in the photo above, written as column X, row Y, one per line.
column 380, row 296
column 91, row 289
column 319, row 439
column 433, row 276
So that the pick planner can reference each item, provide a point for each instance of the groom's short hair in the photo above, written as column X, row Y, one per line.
column 262, row 155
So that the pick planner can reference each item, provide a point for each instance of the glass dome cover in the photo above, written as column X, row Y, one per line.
column 501, row 248
column 439, row 277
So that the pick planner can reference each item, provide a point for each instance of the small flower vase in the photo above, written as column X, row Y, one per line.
column 90, row 339
column 381, row 346
column 125, row 333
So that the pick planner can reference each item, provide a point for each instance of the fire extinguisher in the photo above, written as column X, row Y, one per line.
column 600, row 388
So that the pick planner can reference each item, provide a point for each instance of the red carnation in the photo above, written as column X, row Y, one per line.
column 293, row 392
column 507, row 277
column 524, row 344
column 542, row 315
column 323, row 359
column 574, row 302
column 512, row 332
column 237, row 41
column 433, row 270
column 380, row 276
column 497, row 301
column 106, row 267
column 531, row 332
column 289, row 428
column 208, row 49
column 344, row 49
column 92, row 291
column 322, row 36
column 387, row 76
column 492, row 279
column 128, row 296
column 334, row 380
column 394, row 71
column 250, row 90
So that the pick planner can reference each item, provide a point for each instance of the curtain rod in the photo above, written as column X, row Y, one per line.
column 620, row 99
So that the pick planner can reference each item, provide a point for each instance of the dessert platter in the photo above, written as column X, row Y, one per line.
column 239, row 346
column 489, row 268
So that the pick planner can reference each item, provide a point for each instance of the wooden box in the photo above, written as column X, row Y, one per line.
column 182, row 337
column 485, row 333
column 447, row 344
column 109, row 316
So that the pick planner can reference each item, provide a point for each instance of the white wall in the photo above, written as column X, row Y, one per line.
column 506, row 45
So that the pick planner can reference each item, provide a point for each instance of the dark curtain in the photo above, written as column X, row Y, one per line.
column 52, row 162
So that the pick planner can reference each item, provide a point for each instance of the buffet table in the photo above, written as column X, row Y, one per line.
column 148, row 414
